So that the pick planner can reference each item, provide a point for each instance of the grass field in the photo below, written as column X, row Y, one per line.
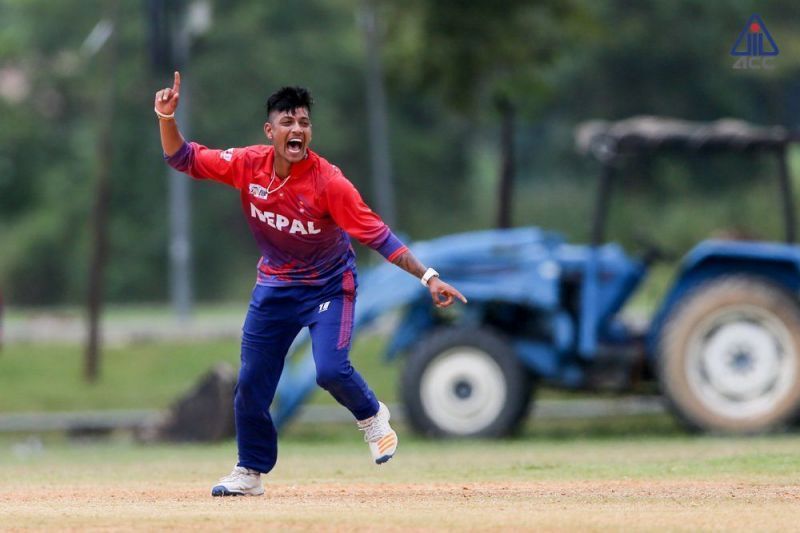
column 630, row 479
column 47, row 377
column 639, row 473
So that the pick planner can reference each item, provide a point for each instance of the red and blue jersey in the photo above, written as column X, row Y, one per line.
column 301, row 224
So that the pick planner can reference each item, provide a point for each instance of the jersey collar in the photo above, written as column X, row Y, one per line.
column 299, row 168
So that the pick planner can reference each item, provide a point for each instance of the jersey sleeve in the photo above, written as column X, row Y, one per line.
column 351, row 214
column 226, row 166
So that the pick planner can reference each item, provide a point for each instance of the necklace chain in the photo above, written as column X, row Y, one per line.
column 276, row 189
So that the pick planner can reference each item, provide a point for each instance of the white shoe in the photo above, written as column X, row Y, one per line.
column 379, row 435
column 240, row 482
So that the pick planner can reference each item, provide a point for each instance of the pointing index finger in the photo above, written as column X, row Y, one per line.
column 459, row 295
column 176, row 85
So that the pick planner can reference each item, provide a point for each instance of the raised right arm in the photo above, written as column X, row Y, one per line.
column 192, row 158
column 166, row 102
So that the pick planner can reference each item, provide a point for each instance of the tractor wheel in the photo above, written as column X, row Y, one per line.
column 730, row 357
column 465, row 383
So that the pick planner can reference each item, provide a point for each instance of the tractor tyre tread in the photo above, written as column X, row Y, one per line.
column 518, row 379
column 697, row 303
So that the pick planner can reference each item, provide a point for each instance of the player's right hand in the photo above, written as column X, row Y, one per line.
column 167, row 99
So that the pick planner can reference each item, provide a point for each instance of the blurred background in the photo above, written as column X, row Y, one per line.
column 430, row 107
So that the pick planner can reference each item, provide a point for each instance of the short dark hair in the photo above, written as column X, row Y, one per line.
column 289, row 99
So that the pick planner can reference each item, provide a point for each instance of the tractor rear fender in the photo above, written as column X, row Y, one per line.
column 776, row 262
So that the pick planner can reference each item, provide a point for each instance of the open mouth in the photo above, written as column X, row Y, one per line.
column 294, row 146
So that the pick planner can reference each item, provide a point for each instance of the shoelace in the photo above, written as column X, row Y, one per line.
column 374, row 428
column 239, row 472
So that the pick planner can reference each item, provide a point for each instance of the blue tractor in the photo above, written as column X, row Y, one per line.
column 723, row 345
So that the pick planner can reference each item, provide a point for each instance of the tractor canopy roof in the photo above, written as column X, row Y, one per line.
column 606, row 140
column 610, row 141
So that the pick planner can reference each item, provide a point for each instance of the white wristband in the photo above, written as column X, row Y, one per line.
column 162, row 116
column 426, row 277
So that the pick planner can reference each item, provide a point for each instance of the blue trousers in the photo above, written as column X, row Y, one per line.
column 274, row 318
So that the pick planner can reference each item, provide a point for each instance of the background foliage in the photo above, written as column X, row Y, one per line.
column 446, row 62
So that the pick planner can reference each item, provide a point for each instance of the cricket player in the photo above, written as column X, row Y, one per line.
column 301, row 210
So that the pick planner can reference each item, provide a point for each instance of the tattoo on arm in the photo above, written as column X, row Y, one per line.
column 410, row 264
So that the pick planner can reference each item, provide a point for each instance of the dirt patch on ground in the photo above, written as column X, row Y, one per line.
column 542, row 506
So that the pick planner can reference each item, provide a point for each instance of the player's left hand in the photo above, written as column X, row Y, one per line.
column 443, row 294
